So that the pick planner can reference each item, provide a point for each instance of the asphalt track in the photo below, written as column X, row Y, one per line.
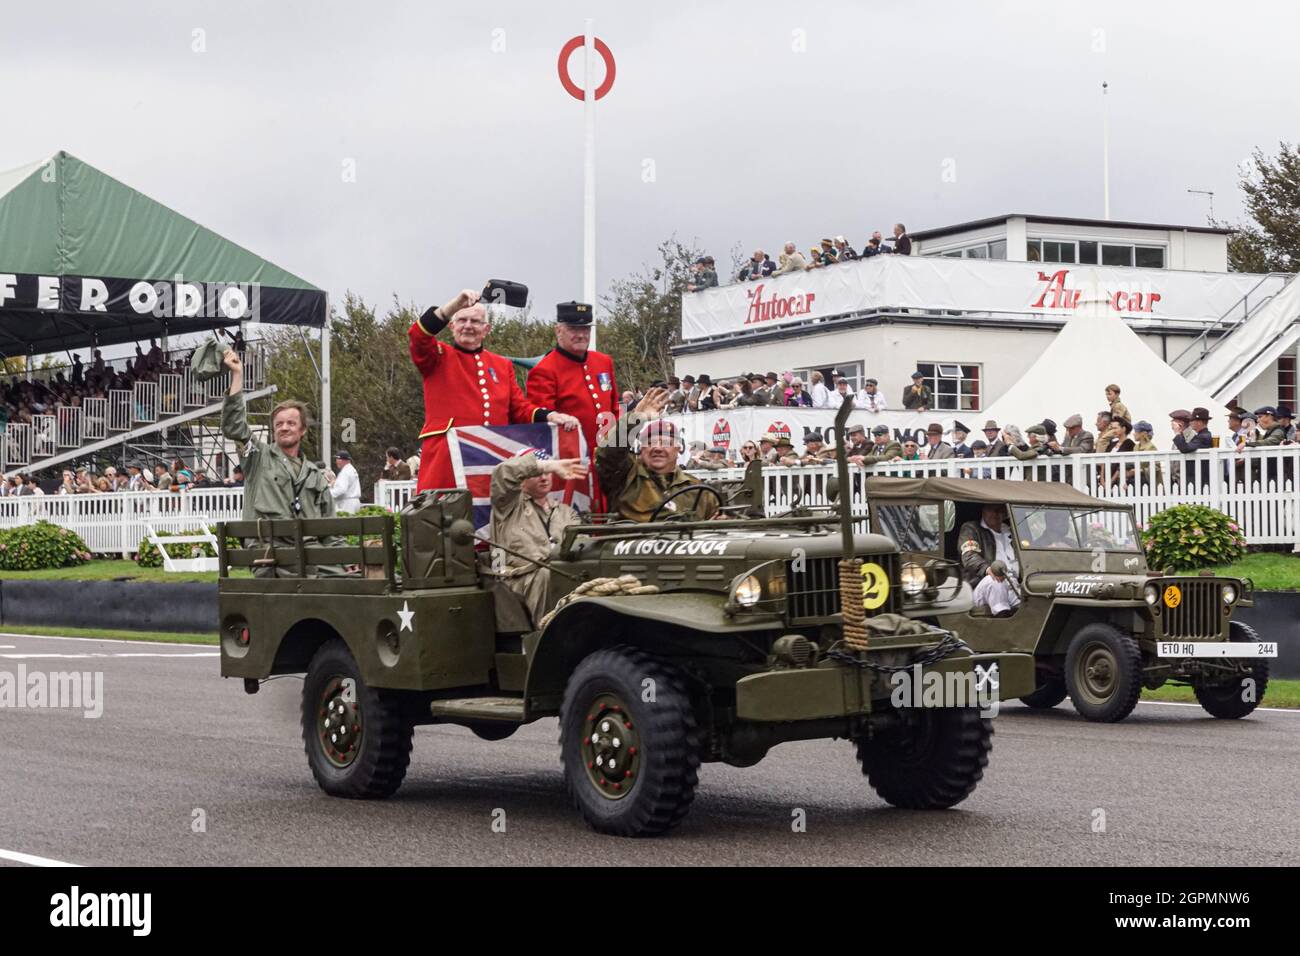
column 1176, row 788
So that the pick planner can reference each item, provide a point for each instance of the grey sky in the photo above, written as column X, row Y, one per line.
column 468, row 161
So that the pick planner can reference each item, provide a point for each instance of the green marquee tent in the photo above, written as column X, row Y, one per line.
column 86, row 260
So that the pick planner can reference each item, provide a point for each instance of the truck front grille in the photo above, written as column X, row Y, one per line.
column 1199, row 615
column 814, row 591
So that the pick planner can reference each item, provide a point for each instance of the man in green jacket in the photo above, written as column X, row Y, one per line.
column 279, row 482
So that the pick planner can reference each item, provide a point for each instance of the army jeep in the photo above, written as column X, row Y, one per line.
column 1100, row 624
column 733, row 637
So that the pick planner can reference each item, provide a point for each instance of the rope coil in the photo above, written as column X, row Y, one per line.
column 851, row 609
column 599, row 587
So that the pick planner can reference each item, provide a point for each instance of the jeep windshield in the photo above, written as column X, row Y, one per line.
column 1075, row 529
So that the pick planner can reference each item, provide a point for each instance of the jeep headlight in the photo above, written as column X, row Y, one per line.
column 748, row 592
column 1151, row 594
column 912, row 579
column 1229, row 594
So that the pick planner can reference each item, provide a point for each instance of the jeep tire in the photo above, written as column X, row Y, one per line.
column 931, row 760
column 358, row 743
column 1103, row 672
column 1224, row 700
column 628, row 742
column 1047, row 696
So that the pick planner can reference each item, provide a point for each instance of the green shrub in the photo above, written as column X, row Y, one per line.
column 148, row 556
column 375, row 510
column 34, row 547
column 1187, row 537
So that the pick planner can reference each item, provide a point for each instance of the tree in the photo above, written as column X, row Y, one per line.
column 1270, row 241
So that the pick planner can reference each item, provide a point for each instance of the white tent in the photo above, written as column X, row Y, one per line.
column 1093, row 349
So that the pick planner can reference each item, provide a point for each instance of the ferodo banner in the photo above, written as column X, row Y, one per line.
column 942, row 284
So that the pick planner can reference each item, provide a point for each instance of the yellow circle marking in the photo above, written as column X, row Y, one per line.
column 1173, row 596
column 875, row 586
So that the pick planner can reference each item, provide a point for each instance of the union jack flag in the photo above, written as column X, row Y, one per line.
column 477, row 449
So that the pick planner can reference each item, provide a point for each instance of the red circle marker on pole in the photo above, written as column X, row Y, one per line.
column 562, row 67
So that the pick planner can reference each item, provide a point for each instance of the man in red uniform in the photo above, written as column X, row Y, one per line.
column 464, row 384
column 575, row 380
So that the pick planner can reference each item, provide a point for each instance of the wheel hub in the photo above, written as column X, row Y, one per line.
column 1098, row 672
column 340, row 725
column 610, row 747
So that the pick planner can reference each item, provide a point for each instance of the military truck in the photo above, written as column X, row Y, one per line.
column 737, row 635
column 1100, row 624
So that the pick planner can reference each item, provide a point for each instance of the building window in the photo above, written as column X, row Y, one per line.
column 996, row 249
column 1112, row 255
column 850, row 370
column 955, row 387
column 1087, row 252
column 1150, row 257
column 1286, row 380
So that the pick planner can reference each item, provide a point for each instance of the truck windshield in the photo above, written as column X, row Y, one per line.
column 1077, row 529
column 917, row 527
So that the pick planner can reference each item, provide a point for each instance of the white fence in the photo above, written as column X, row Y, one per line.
column 115, row 522
column 1259, row 489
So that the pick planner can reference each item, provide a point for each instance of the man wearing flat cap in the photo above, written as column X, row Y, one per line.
column 1199, row 419
column 883, row 448
column 917, row 395
column 869, row 398
column 637, row 484
column 1271, row 432
column 576, row 380
column 1078, row 440
column 814, row 449
column 857, row 442
column 464, row 384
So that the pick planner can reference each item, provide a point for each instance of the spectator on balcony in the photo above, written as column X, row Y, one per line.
column 959, row 447
column 911, row 452
column 785, row 454
column 758, row 389
column 181, row 475
column 842, row 392
column 1284, row 416
column 748, row 453
column 1103, row 427
column 772, row 390
column 346, row 485
column 819, row 393
column 1271, row 431
column 790, row 260
column 916, row 396
column 394, row 468
column 1191, row 433
column 78, row 372
column 767, row 448
column 162, row 477
column 97, row 366
column 815, row 451
column 102, row 485
column 759, row 266
column 828, row 254
column 706, row 277
column 857, row 444
column 1117, row 408
column 935, row 447
column 843, row 251
column 875, row 246
column 796, row 396
column 869, row 397
column 902, row 241
column 1142, row 437
column 1078, row 440
column 979, row 449
column 137, row 479
column 814, row 260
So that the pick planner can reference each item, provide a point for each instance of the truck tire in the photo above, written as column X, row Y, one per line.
column 931, row 761
column 1047, row 696
column 630, row 765
column 1103, row 672
column 1224, row 700
column 358, row 743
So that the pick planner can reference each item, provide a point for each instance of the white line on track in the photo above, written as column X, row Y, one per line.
column 27, row 657
column 30, row 860
column 1180, row 703
column 97, row 640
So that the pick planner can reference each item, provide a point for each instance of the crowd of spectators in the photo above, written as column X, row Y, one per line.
column 690, row 393
column 135, row 476
column 831, row 251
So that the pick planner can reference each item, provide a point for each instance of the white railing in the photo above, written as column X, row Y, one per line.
column 114, row 522
column 94, row 419
column 146, row 402
column 119, row 409
column 17, row 444
column 44, row 435
column 169, row 394
column 69, row 426
column 1260, row 489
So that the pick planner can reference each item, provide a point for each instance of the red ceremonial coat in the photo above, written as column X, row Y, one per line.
column 581, row 387
column 461, row 388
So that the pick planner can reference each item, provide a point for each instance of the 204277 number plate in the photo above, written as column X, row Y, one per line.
column 1216, row 649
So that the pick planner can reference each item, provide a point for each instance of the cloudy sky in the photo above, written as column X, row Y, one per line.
column 753, row 122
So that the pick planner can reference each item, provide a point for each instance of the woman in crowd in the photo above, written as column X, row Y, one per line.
column 748, row 452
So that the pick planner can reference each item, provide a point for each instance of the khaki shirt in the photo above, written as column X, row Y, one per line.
column 643, row 490
column 272, row 480
column 518, row 522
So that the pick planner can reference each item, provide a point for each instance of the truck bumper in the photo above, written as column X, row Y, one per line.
column 838, row 690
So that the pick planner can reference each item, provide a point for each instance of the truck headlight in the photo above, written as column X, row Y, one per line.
column 1229, row 594
column 913, row 579
column 748, row 592
column 1151, row 594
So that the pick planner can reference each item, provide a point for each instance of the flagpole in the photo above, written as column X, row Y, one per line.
column 589, row 174
column 1105, row 153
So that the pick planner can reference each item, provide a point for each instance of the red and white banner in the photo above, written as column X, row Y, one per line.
column 938, row 283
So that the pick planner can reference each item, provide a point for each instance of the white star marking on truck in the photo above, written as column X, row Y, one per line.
column 407, row 615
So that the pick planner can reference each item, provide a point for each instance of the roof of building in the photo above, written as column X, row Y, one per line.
column 1060, row 220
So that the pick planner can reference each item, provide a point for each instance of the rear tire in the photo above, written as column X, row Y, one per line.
column 1103, row 672
column 931, row 761
column 358, row 743
column 1047, row 696
column 1225, row 700
column 630, row 765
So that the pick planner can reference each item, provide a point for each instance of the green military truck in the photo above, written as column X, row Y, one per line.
column 693, row 641
column 1100, row 624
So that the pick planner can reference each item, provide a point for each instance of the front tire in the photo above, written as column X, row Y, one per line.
column 358, row 743
column 630, row 765
column 1103, row 672
column 1225, row 700
column 931, row 761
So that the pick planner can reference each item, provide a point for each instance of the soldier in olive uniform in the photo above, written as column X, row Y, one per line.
column 279, row 482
